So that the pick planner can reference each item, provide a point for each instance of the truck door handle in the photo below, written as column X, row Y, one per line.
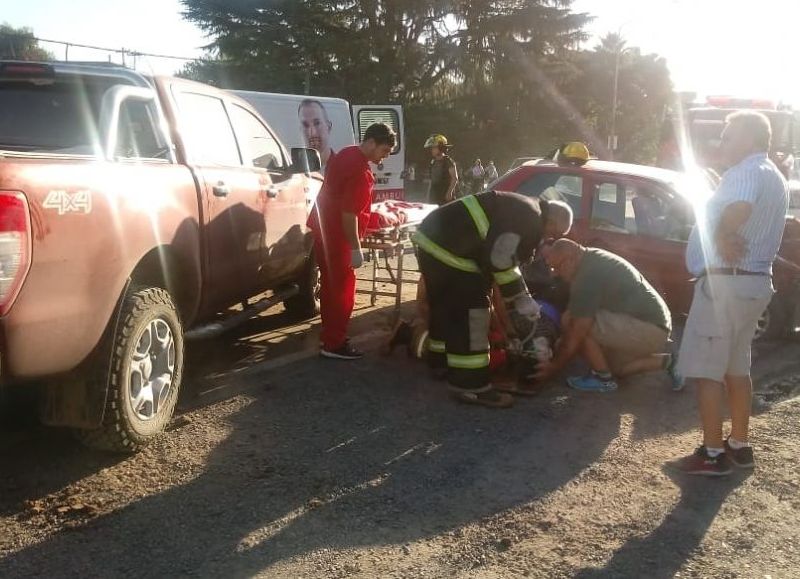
column 273, row 192
column 220, row 190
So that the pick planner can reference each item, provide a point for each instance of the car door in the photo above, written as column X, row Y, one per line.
column 633, row 218
column 282, row 197
column 671, row 230
column 232, row 207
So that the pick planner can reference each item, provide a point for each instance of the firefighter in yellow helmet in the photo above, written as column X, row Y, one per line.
column 443, row 172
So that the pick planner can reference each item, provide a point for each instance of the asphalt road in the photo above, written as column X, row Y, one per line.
column 281, row 464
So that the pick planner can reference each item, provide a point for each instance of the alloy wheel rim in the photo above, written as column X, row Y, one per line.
column 152, row 370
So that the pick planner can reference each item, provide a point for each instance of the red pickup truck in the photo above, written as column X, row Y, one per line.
column 133, row 209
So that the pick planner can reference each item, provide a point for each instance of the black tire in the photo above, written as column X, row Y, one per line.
column 773, row 322
column 144, row 310
column 305, row 304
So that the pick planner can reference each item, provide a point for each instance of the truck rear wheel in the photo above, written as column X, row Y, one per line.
column 145, row 373
column 305, row 304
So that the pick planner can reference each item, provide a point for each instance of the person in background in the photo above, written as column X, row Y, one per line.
column 730, row 253
column 316, row 128
column 338, row 221
column 615, row 318
column 477, row 177
column 443, row 171
column 491, row 172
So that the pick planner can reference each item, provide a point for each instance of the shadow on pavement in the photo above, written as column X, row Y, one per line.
column 662, row 553
column 337, row 456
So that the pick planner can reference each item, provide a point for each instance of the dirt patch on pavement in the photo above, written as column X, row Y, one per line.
column 315, row 469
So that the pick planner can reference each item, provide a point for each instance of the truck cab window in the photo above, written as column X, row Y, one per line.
column 207, row 130
column 258, row 144
column 137, row 135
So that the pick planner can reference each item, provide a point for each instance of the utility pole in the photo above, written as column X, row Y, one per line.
column 612, row 137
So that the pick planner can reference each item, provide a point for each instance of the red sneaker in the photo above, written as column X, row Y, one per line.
column 700, row 463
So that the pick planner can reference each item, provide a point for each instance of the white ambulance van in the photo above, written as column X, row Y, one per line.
column 330, row 124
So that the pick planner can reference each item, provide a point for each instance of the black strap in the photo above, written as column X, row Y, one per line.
column 731, row 271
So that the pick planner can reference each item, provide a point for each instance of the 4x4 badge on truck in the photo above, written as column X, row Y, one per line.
column 63, row 202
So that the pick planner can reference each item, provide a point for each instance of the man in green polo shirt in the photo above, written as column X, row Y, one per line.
column 615, row 318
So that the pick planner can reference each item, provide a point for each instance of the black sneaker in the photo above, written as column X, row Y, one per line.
column 743, row 457
column 700, row 463
column 346, row 352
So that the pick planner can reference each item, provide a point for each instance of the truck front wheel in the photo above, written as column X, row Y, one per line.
column 146, row 366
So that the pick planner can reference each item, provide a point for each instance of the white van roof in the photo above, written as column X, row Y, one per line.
column 289, row 97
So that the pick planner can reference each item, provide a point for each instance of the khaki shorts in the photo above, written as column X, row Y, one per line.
column 625, row 339
column 721, row 325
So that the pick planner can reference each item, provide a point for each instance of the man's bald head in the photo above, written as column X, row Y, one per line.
column 564, row 256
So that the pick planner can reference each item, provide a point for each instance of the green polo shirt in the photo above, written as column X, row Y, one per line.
column 605, row 281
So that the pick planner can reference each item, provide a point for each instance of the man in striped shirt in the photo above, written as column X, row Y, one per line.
column 730, row 252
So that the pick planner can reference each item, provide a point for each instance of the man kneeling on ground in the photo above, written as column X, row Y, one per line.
column 615, row 318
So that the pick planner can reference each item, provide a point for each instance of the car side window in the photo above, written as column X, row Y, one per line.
column 612, row 207
column 640, row 208
column 258, row 144
column 554, row 186
column 137, row 133
column 661, row 213
column 207, row 130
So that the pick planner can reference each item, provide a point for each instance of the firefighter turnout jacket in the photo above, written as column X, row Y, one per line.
column 490, row 234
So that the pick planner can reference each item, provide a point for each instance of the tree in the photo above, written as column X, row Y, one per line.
column 458, row 61
column 501, row 78
column 20, row 44
column 644, row 91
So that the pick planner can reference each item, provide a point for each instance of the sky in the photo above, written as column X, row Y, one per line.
column 735, row 47
column 154, row 26
column 745, row 48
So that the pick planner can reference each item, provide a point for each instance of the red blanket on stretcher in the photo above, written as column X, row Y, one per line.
column 388, row 214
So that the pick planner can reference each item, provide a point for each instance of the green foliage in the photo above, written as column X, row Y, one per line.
column 20, row 44
column 500, row 78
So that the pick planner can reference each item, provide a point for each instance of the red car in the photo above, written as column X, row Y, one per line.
column 645, row 214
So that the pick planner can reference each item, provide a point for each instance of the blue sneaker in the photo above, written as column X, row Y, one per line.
column 591, row 383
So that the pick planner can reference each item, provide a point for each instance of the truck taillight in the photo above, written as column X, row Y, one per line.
column 15, row 246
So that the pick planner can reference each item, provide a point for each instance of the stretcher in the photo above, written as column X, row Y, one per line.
column 389, row 252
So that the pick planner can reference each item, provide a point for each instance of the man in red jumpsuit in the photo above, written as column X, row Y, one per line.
column 339, row 221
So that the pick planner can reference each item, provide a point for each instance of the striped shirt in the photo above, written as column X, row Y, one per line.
column 755, row 180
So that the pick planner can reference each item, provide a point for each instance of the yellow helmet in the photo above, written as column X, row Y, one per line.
column 575, row 153
column 436, row 141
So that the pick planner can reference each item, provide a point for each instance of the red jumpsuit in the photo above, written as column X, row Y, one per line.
column 347, row 189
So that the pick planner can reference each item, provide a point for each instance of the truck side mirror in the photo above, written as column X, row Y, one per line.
column 305, row 160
